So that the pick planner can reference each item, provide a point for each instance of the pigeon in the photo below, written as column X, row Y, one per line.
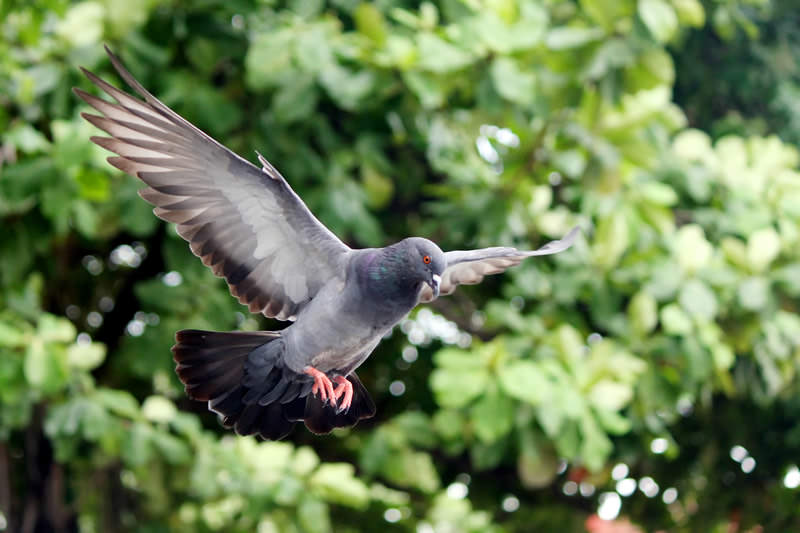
column 248, row 226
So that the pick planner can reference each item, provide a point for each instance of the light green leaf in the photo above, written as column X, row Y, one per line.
column 595, row 446
column 86, row 356
column 723, row 356
column 754, row 293
column 660, row 18
column 348, row 88
column 438, row 55
column 610, row 395
column 613, row 422
column 313, row 516
column 692, row 249
column 525, row 381
column 83, row 24
column 51, row 328
column 117, row 401
column 512, row 83
column 698, row 300
column 763, row 247
column 492, row 416
column 657, row 193
column 454, row 388
column 304, row 461
column 690, row 12
column 643, row 312
column 269, row 59
column 567, row 37
column 158, row 409
column 295, row 100
column 611, row 240
column 11, row 336
column 675, row 321
column 26, row 138
column 336, row 482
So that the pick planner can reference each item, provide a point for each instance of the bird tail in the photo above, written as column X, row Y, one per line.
column 242, row 376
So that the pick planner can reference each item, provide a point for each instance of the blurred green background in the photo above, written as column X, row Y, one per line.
column 646, row 380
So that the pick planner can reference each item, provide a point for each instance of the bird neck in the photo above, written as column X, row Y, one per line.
column 386, row 274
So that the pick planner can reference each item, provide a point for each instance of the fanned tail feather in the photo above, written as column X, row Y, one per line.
column 242, row 377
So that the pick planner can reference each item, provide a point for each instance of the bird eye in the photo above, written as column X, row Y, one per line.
column 426, row 259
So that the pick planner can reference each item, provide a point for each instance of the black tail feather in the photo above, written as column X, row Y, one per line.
column 242, row 377
column 323, row 418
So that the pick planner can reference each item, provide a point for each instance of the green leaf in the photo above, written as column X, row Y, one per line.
column 675, row 321
column 611, row 240
column 608, row 13
column 763, row 248
column 690, row 12
column 173, row 449
column 348, row 88
column 610, row 395
column 660, row 18
column 11, row 336
column 313, row 516
column 698, row 300
column 438, row 55
column 336, row 482
column 693, row 250
column 754, row 293
column 512, row 83
column 268, row 60
column 613, row 422
column 158, row 409
column 657, row 193
column 45, row 367
column 55, row 329
column 137, row 447
column 525, row 381
column 117, row 401
column 492, row 416
column 457, row 388
column 379, row 188
column 643, row 312
column 369, row 21
column 295, row 100
column 566, row 37
column 27, row 139
column 86, row 356
column 83, row 24
column 595, row 446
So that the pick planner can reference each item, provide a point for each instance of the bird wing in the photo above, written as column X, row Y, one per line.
column 245, row 223
column 468, row 267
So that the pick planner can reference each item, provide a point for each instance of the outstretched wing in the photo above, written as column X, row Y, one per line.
column 468, row 267
column 245, row 223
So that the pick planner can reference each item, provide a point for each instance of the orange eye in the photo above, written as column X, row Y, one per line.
column 426, row 259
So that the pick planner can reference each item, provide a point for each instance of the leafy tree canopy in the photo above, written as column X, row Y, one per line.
column 650, row 372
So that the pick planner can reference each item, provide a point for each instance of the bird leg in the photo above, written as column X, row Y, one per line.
column 322, row 385
column 344, row 388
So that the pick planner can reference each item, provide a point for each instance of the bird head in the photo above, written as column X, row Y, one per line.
column 427, row 261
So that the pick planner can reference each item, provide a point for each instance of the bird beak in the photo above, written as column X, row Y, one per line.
column 434, row 282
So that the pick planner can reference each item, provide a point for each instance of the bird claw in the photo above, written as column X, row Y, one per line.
column 322, row 385
column 344, row 388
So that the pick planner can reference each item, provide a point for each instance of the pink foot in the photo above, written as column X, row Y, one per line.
column 344, row 388
column 322, row 385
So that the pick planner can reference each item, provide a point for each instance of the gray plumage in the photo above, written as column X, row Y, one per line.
column 249, row 226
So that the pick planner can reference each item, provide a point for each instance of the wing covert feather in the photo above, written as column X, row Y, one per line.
column 245, row 223
column 469, row 267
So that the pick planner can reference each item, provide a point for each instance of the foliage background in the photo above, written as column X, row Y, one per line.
column 649, row 373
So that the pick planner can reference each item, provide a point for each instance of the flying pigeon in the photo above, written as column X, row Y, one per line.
column 247, row 225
